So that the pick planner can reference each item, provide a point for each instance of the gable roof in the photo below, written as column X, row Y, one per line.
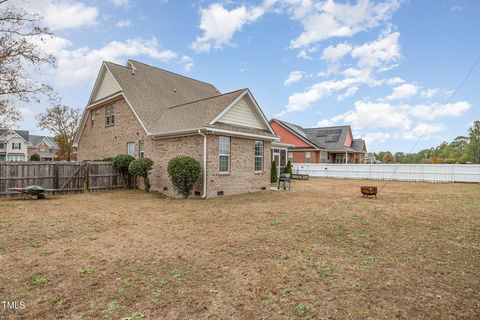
column 165, row 102
column 329, row 138
column 24, row 134
column 35, row 141
column 300, row 132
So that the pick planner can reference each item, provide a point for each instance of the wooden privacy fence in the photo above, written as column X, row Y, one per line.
column 58, row 177
column 399, row 172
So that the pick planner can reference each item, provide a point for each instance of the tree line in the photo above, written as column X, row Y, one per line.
column 463, row 149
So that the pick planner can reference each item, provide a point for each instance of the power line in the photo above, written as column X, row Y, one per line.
column 425, row 131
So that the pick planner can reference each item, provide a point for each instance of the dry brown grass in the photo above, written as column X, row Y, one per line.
column 318, row 252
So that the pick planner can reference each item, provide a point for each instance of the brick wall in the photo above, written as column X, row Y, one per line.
column 100, row 141
column 242, row 176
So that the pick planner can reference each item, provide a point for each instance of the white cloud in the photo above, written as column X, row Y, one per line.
column 120, row 3
column 395, row 80
column 380, row 54
column 370, row 115
column 293, row 77
column 219, row 25
column 374, row 137
column 124, row 23
column 77, row 66
column 430, row 111
column 187, row 63
column 325, row 123
column 407, row 121
column 348, row 93
column 406, row 90
column 456, row 8
column 335, row 53
column 59, row 15
column 424, row 130
column 329, row 19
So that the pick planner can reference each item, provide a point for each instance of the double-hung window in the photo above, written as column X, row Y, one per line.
column 141, row 148
column 224, row 154
column 258, row 156
column 110, row 116
column 16, row 146
column 308, row 157
column 131, row 149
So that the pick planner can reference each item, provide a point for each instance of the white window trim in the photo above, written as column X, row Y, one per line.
column 309, row 157
column 260, row 156
column 131, row 143
column 224, row 154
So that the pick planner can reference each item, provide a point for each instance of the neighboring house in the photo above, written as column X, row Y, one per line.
column 145, row 111
column 44, row 146
column 320, row 145
column 13, row 145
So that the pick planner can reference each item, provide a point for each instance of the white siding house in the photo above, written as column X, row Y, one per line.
column 13, row 145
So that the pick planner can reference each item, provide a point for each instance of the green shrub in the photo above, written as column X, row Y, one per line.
column 288, row 168
column 273, row 174
column 35, row 157
column 121, row 163
column 184, row 172
column 108, row 159
column 141, row 167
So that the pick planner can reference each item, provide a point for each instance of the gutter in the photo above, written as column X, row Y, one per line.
column 204, row 194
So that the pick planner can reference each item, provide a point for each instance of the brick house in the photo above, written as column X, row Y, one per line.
column 145, row 111
column 320, row 145
column 44, row 146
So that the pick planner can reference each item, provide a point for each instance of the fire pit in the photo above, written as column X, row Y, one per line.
column 368, row 191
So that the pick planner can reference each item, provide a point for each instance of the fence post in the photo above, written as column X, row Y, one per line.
column 56, row 177
column 86, row 178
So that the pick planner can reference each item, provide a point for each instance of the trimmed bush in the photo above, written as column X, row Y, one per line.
column 184, row 172
column 273, row 174
column 141, row 167
column 288, row 168
column 35, row 157
column 121, row 163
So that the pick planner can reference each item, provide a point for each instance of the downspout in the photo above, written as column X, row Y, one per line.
column 204, row 194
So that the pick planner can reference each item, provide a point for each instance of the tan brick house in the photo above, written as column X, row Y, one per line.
column 145, row 111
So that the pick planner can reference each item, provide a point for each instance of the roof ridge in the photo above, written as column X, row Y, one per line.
column 219, row 95
column 329, row 127
column 177, row 74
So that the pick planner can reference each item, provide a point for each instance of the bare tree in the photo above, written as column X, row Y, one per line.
column 63, row 122
column 20, row 33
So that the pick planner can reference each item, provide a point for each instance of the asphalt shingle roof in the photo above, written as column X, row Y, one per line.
column 329, row 138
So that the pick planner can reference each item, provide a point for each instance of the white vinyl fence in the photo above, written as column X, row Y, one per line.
column 397, row 172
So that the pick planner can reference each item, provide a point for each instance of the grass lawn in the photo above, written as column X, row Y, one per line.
column 320, row 251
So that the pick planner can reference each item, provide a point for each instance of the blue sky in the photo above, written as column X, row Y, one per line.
column 386, row 68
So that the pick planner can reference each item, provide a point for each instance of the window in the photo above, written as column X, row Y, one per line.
column 131, row 149
column 323, row 157
column 16, row 146
column 290, row 156
column 2, row 157
column 141, row 149
column 110, row 116
column 2, row 145
column 340, row 158
column 16, row 158
column 258, row 156
column 308, row 157
column 224, row 154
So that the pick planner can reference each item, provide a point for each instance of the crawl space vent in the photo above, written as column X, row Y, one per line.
column 220, row 193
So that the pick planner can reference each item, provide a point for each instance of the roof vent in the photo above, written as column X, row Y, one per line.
column 132, row 67
column 174, row 90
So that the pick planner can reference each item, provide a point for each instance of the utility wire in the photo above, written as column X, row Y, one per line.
column 425, row 131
